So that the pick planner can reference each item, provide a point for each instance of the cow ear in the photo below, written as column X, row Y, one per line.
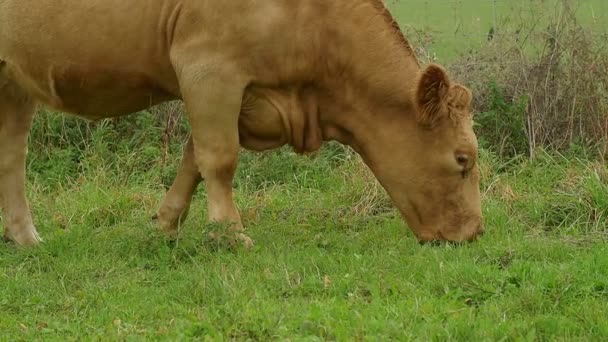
column 431, row 95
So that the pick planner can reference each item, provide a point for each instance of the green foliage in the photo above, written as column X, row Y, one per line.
column 502, row 128
column 63, row 147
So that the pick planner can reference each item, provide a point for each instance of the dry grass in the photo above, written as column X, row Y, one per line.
column 370, row 198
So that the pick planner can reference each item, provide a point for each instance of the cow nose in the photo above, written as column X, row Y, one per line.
column 480, row 230
column 477, row 233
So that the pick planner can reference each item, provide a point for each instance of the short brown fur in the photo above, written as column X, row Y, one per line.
column 394, row 24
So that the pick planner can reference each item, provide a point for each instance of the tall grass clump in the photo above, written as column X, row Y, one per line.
column 63, row 147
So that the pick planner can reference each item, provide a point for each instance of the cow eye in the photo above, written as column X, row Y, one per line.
column 463, row 160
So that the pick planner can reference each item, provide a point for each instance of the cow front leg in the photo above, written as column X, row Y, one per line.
column 174, row 208
column 214, row 105
column 16, row 114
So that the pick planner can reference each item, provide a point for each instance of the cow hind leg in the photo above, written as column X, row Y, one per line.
column 16, row 115
column 174, row 208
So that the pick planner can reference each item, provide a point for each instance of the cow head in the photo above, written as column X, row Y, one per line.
column 427, row 162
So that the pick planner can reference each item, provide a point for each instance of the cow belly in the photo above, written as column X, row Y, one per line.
column 110, row 94
column 92, row 92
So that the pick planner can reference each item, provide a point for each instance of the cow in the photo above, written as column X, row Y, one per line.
column 252, row 74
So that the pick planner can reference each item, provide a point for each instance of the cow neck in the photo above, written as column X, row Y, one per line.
column 370, row 77
column 301, row 121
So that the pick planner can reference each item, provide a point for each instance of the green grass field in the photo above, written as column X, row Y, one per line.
column 332, row 261
column 455, row 27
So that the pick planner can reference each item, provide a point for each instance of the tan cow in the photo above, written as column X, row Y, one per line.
column 259, row 74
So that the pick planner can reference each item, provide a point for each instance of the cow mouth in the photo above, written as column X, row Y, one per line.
column 414, row 219
column 440, row 239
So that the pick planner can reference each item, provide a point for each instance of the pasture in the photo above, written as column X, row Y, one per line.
column 454, row 27
column 332, row 260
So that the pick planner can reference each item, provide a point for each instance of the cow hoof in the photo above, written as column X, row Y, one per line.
column 25, row 237
column 168, row 227
column 171, row 234
column 232, row 239
column 170, row 231
column 245, row 240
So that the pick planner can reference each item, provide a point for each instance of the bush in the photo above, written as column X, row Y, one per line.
column 549, row 83
column 501, row 127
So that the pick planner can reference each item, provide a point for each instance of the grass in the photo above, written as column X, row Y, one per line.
column 449, row 28
column 332, row 258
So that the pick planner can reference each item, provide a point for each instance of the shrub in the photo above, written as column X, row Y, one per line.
column 556, row 76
